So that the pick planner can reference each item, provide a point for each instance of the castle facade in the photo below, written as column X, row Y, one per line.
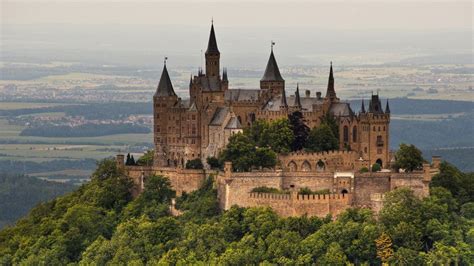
column 199, row 127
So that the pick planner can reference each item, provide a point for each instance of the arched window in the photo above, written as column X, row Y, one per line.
column 346, row 134
column 292, row 166
column 306, row 167
column 320, row 166
column 354, row 134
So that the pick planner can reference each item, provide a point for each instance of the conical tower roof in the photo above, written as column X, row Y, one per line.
column 297, row 97
column 272, row 72
column 387, row 108
column 331, row 92
column 165, row 87
column 362, row 109
column 283, row 103
column 212, row 44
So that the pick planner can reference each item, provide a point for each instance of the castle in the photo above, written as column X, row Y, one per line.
column 199, row 127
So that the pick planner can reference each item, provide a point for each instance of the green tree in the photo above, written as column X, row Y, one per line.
column 255, row 131
column 278, row 136
column 240, row 151
column 376, row 167
column 194, row 164
column 321, row 139
column 146, row 159
column 384, row 247
column 334, row 256
column 266, row 158
column 213, row 162
column 300, row 130
column 408, row 157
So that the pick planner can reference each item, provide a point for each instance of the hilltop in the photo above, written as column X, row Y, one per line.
column 101, row 223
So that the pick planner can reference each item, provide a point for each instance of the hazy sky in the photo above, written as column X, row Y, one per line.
column 228, row 13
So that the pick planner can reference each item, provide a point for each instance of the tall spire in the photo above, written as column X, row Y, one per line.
column 387, row 108
column 331, row 93
column 224, row 74
column 297, row 97
column 272, row 72
column 191, row 81
column 362, row 109
column 165, row 87
column 212, row 44
column 283, row 103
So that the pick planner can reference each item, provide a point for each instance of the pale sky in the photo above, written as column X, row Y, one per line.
column 356, row 14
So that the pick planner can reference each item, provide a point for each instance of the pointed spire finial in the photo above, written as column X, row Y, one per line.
column 166, row 58
column 212, row 20
column 331, row 92
column 387, row 108
column 272, row 44
column 297, row 97
column 362, row 109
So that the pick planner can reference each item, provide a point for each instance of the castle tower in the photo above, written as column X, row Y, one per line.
column 374, row 138
column 331, row 92
column 225, row 81
column 164, row 98
column 272, row 81
column 212, row 55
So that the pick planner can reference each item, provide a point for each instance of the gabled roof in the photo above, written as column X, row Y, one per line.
column 212, row 44
column 233, row 123
column 193, row 107
column 341, row 109
column 219, row 116
column 165, row 87
column 272, row 72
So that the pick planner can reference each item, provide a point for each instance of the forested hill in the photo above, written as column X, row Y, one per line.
column 100, row 223
column 19, row 193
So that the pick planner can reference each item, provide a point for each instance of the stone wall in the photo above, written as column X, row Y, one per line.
column 297, row 205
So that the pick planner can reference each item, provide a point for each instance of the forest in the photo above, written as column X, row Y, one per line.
column 85, row 130
column 100, row 223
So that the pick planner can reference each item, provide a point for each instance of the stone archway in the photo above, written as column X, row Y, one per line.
column 379, row 162
column 292, row 166
column 306, row 166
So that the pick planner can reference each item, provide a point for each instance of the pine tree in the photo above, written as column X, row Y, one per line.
column 127, row 162
column 132, row 161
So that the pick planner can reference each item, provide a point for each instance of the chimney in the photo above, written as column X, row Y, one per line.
column 318, row 95
column 307, row 93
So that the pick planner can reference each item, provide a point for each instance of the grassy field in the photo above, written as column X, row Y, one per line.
column 26, row 105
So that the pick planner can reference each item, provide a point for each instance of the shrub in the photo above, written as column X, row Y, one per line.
column 376, row 167
column 213, row 162
column 194, row 164
column 363, row 170
column 269, row 190
column 308, row 191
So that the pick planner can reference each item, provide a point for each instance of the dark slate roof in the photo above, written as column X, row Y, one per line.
column 331, row 92
column 283, row 102
column 306, row 103
column 165, row 87
column 235, row 95
column 297, row 102
column 272, row 72
column 212, row 44
column 219, row 116
column 387, row 108
column 341, row 109
column 233, row 123
column 209, row 83
column 375, row 106
column 362, row 109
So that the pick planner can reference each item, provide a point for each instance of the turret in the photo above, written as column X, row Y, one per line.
column 331, row 92
column 362, row 108
column 225, row 81
column 297, row 103
column 165, row 87
column 283, row 103
column 387, row 108
column 212, row 55
column 272, row 79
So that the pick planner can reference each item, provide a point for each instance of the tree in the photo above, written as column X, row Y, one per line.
column 146, row 159
column 300, row 130
column 408, row 157
column 266, row 158
column 240, row 151
column 461, row 185
column 321, row 139
column 384, row 247
column 376, row 167
column 255, row 131
column 278, row 136
column 329, row 120
column 194, row 164
column 334, row 256
column 213, row 162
